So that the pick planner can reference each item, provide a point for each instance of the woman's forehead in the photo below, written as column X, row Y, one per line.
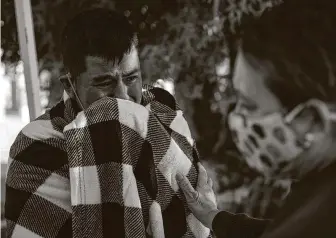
column 250, row 81
column 247, row 80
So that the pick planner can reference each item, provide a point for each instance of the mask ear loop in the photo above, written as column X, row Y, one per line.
column 322, row 109
column 308, row 138
column 74, row 90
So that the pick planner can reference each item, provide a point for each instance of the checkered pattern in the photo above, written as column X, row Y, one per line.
column 106, row 172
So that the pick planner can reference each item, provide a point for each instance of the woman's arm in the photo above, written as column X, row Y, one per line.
column 231, row 225
column 202, row 203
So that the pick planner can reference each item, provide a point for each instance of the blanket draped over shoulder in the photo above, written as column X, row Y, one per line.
column 107, row 171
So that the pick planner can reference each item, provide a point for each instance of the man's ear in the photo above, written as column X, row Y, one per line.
column 310, row 118
column 65, row 80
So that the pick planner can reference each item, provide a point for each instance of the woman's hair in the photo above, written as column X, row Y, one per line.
column 298, row 38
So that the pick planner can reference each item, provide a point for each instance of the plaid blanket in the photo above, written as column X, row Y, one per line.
column 108, row 171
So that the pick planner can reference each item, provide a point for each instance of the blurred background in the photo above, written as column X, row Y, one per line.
column 186, row 46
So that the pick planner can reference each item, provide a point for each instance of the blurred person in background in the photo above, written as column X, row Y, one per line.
column 102, row 162
column 284, row 122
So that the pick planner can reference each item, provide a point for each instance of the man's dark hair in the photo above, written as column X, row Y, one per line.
column 299, row 39
column 96, row 32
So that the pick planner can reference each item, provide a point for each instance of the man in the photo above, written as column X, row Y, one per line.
column 102, row 162
column 106, row 64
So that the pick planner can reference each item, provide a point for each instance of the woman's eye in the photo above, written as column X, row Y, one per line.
column 248, row 107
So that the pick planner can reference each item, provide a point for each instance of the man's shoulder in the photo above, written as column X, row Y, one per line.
column 42, row 130
column 309, row 209
column 46, row 124
column 155, row 94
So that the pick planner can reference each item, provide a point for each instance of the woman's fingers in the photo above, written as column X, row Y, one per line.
column 202, row 176
column 185, row 186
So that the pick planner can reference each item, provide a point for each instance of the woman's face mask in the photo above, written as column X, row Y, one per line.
column 268, row 143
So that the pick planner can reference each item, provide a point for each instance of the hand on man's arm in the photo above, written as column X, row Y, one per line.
column 202, row 203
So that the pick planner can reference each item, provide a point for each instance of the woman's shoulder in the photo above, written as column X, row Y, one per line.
column 309, row 209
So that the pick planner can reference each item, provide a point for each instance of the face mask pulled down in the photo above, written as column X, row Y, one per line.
column 74, row 91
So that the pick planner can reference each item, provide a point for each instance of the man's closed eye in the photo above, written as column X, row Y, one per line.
column 102, row 81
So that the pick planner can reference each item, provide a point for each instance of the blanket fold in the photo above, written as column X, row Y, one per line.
column 108, row 171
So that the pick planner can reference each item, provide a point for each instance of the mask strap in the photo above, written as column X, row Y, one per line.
column 323, row 109
column 317, row 105
column 290, row 117
column 74, row 91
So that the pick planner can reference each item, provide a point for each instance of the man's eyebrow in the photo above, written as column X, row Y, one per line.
column 97, row 76
column 127, row 74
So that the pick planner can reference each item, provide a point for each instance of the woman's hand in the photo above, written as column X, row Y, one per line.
column 202, row 201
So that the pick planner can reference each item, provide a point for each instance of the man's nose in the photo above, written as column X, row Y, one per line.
column 120, row 91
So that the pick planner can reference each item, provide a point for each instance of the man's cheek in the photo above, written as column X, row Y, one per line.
column 137, row 91
column 93, row 95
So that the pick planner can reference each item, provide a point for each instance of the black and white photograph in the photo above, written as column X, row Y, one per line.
column 168, row 118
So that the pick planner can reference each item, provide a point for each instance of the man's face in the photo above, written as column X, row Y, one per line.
column 112, row 79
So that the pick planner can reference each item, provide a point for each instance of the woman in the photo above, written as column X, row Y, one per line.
column 284, row 122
